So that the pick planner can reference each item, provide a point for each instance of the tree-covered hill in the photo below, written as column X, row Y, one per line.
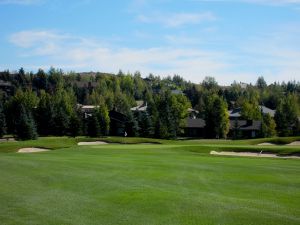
column 47, row 103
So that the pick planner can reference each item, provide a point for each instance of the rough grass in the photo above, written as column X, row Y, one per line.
column 166, row 184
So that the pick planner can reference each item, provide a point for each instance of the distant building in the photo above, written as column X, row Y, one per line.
column 141, row 107
column 87, row 110
column 236, row 113
column 244, row 128
column 194, row 128
column 117, row 120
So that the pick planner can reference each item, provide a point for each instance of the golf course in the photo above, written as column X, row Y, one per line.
column 139, row 181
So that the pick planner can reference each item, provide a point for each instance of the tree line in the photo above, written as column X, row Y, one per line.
column 46, row 103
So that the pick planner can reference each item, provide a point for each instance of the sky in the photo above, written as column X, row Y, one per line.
column 231, row 40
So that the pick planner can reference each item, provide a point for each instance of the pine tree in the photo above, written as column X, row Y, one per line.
column 75, row 125
column 25, row 125
column 93, row 126
column 2, row 122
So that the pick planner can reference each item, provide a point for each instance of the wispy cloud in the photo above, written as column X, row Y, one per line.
column 87, row 54
column 275, row 61
column 177, row 19
column 20, row 2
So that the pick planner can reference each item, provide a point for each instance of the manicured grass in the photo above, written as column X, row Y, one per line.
column 169, row 184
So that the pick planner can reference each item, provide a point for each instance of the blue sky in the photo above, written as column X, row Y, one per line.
column 228, row 39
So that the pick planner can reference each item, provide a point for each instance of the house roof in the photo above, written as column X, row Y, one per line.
column 141, row 106
column 235, row 113
column 195, row 123
column 245, row 124
column 190, row 110
column 266, row 110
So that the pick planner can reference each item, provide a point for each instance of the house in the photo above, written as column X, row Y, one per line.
column 244, row 128
column 265, row 110
column 117, row 120
column 236, row 113
column 6, row 86
column 87, row 110
column 194, row 127
column 193, row 113
column 141, row 107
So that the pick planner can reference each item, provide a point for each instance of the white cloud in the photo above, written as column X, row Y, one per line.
column 87, row 54
column 275, row 61
column 177, row 19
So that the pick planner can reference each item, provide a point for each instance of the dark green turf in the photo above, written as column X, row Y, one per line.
column 166, row 184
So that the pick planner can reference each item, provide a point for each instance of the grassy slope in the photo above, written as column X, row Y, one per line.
column 146, row 184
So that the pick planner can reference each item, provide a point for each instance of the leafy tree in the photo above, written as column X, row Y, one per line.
column 217, row 117
column 286, row 116
column 250, row 111
column 268, row 126
column 210, row 84
column 64, row 105
column 27, row 99
column 103, row 119
column 171, row 113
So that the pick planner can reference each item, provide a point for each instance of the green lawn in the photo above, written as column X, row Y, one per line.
column 175, row 182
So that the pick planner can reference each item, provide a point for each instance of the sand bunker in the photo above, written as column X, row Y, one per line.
column 294, row 143
column 7, row 140
column 92, row 143
column 266, row 144
column 251, row 154
column 32, row 150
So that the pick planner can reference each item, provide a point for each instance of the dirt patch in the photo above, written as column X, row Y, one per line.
column 295, row 143
column 32, row 150
column 251, row 154
column 92, row 143
column 266, row 144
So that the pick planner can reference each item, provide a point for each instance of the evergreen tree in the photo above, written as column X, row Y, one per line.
column 45, row 115
column 93, row 126
column 261, row 83
column 75, row 125
column 2, row 121
column 25, row 127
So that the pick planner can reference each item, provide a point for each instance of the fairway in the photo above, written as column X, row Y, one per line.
column 169, row 184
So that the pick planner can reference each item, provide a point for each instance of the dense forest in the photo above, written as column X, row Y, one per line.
column 48, row 103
